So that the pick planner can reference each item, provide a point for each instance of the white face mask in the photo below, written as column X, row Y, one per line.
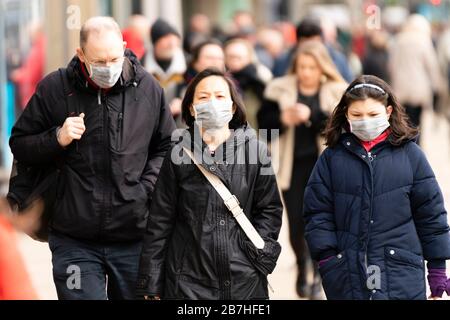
column 106, row 77
column 214, row 114
column 369, row 129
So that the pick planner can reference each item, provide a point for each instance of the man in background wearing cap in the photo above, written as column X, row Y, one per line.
column 166, row 62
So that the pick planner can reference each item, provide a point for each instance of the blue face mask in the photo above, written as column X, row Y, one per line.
column 213, row 114
column 369, row 129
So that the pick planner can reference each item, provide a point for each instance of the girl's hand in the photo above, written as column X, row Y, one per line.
column 437, row 280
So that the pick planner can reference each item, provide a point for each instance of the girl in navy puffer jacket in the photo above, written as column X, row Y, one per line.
column 373, row 208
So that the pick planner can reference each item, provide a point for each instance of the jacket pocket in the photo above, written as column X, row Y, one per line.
column 405, row 275
column 336, row 278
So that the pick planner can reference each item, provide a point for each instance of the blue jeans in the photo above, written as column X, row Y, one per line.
column 86, row 270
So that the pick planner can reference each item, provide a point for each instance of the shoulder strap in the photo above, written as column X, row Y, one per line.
column 231, row 202
column 69, row 93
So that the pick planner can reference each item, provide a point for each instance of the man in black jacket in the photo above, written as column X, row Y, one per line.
column 107, row 119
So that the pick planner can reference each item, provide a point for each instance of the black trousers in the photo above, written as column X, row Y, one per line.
column 293, row 199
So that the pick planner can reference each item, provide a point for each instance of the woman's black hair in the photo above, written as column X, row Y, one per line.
column 239, row 117
column 369, row 87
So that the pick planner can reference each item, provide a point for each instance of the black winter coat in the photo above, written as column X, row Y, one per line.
column 379, row 215
column 107, row 177
column 194, row 248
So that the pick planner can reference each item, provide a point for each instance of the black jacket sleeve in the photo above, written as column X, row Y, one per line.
column 33, row 139
column 269, row 117
column 427, row 204
column 161, row 142
column 160, row 224
column 266, row 216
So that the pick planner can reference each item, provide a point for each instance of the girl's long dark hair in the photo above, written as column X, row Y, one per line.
column 401, row 130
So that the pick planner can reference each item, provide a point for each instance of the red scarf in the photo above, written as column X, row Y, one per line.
column 368, row 145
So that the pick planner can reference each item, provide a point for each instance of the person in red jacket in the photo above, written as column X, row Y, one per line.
column 33, row 68
column 15, row 282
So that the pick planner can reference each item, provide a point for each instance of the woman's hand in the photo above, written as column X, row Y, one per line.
column 295, row 115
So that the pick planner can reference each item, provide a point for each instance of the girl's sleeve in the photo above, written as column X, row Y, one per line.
column 427, row 204
column 320, row 227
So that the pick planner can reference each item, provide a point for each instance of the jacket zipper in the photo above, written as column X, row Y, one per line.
column 119, row 130
column 371, row 158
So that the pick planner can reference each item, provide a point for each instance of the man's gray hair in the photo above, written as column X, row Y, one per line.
column 97, row 25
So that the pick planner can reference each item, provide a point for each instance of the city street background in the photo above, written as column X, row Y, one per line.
column 40, row 36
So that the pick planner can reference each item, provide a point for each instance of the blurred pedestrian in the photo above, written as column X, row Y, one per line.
column 15, row 283
column 415, row 74
column 136, row 35
column 194, row 247
column 166, row 62
column 33, row 67
column 310, row 29
column 270, row 48
column 298, row 105
column 243, row 26
column 207, row 54
column 373, row 208
column 443, row 52
column 251, row 76
column 199, row 31
column 104, row 123
column 376, row 60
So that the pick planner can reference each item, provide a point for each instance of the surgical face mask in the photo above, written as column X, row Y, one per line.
column 214, row 114
column 106, row 76
column 369, row 129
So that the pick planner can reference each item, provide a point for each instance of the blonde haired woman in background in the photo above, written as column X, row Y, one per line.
column 299, row 104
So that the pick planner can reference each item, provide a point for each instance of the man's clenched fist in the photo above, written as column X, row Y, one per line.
column 73, row 129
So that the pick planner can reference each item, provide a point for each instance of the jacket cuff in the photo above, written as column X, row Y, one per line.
column 436, row 264
column 51, row 144
column 149, row 285
column 326, row 254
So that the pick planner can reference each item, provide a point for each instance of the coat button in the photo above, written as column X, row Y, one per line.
column 348, row 143
column 374, row 291
column 339, row 256
column 222, row 222
column 212, row 168
column 371, row 221
column 392, row 252
column 227, row 283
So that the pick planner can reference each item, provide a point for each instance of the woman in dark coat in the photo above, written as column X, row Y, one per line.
column 194, row 248
column 373, row 208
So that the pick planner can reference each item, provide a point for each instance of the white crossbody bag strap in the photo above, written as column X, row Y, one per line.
column 232, row 203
